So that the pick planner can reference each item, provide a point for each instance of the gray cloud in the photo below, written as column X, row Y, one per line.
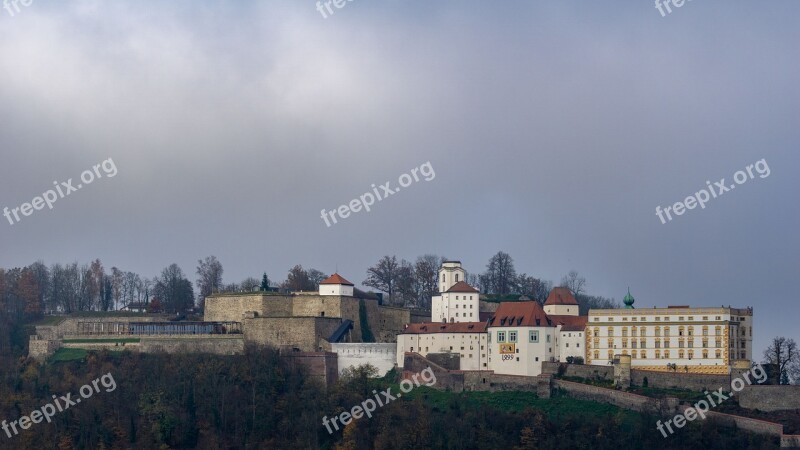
column 555, row 130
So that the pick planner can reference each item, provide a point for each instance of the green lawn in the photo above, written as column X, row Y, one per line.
column 102, row 341
column 69, row 354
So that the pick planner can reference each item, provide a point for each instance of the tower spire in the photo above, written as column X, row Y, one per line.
column 628, row 300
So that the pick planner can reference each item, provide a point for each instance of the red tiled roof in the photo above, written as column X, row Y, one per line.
column 336, row 279
column 462, row 287
column 434, row 327
column 570, row 323
column 520, row 314
column 561, row 296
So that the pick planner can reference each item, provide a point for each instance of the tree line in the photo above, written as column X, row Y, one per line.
column 32, row 291
column 414, row 284
column 66, row 288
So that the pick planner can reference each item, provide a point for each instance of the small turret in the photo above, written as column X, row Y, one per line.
column 628, row 300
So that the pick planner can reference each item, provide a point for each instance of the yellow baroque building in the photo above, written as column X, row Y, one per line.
column 677, row 338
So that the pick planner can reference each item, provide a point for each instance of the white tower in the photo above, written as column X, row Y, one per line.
column 457, row 301
column 450, row 273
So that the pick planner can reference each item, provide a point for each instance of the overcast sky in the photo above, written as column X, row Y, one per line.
column 554, row 129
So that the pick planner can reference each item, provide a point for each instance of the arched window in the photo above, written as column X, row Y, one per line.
column 456, row 278
column 610, row 354
column 719, row 354
column 705, row 354
column 597, row 354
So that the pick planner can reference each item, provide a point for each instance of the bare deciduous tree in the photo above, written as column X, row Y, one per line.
column 574, row 282
column 387, row 276
column 783, row 353
column 426, row 278
column 298, row 280
column 500, row 276
column 316, row 277
column 209, row 271
column 534, row 288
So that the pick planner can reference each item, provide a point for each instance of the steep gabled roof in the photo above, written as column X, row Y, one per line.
column 561, row 296
column 336, row 279
column 462, row 287
column 520, row 314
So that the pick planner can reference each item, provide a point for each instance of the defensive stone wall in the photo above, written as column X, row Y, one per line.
column 302, row 333
column 770, row 398
column 420, row 316
column 579, row 370
column 743, row 423
column 392, row 321
column 41, row 349
column 414, row 363
column 691, row 381
column 321, row 366
column 621, row 399
column 232, row 307
column 449, row 361
column 484, row 306
column 217, row 345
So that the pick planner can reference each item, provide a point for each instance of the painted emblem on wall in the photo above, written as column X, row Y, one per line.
column 507, row 348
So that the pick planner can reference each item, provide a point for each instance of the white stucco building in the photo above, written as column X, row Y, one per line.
column 457, row 301
column 468, row 339
column 382, row 356
column 336, row 285
column 521, row 337
column 563, row 311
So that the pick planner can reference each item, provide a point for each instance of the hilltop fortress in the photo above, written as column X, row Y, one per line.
column 308, row 326
column 343, row 326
